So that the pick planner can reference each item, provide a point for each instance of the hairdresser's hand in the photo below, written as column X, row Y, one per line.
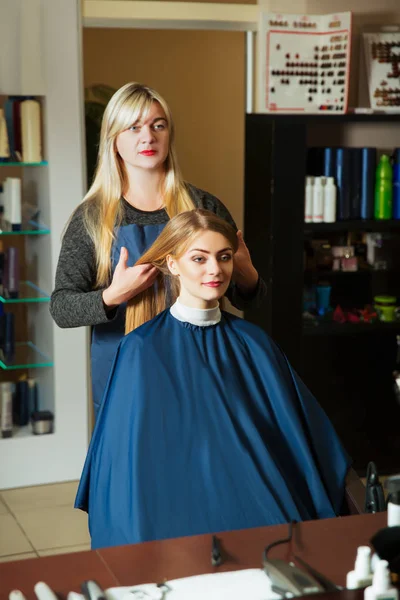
column 244, row 273
column 127, row 282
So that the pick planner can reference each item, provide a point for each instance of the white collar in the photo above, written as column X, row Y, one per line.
column 203, row 317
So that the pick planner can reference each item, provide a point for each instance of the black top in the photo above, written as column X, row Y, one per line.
column 75, row 302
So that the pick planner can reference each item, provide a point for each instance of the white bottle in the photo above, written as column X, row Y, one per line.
column 393, row 507
column 318, row 201
column 330, row 201
column 381, row 588
column 14, row 202
column 362, row 575
column 308, row 204
column 6, row 204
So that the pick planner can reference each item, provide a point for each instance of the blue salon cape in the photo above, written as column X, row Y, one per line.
column 206, row 429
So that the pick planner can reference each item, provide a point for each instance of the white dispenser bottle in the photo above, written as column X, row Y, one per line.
column 308, row 204
column 393, row 507
column 361, row 576
column 381, row 588
column 330, row 201
column 318, row 201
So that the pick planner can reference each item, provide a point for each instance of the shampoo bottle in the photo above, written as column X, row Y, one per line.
column 381, row 588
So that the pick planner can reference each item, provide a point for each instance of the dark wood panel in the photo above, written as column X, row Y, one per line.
column 329, row 545
column 63, row 573
column 182, row 557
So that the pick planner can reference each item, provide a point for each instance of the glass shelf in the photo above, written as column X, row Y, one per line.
column 27, row 356
column 331, row 328
column 23, row 164
column 28, row 292
column 20, row 433
column 29, row 228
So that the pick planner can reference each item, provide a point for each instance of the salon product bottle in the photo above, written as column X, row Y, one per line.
column 308, row 205
column 384, row 189
column 396, row 184
column 318, row 201
column 361, row 576
column 14, row 202
column 5, row 224
column 31, row 131
column 392, row 485
column 329, row 201
column 329, row 162
column 33, row 402
column 355, row 182
column 368, row 168
column 1, row 205
column 343, row 182
column 21, row 404
column 11, row 273
column 2, row 260
column 7, row 337
column 381, row 584
column 4, row 146
column 6, row 399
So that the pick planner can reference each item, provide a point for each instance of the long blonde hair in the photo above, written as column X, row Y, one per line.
column 172, row 241
column 102, row 208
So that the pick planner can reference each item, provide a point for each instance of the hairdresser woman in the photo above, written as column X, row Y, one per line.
column 137, row 188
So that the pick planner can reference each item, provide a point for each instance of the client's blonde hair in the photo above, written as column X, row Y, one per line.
column 173, row 241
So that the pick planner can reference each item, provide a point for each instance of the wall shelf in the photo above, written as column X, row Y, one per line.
column 27, row 356
column 370, row 226
column 331, row 328
column 319, row 274
column 20, row 433
column 28, row 292
column 30, row 228
column 44, row 163
column 318, row 119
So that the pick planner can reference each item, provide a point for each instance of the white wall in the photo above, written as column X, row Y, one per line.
column 44, row 57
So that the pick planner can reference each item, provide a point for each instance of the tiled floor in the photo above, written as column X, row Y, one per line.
column 40, row 521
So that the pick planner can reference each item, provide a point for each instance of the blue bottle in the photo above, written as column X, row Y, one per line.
column 396, row 183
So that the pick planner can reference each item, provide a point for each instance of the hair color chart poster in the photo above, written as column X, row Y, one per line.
column 304, row 63
column 382, row 59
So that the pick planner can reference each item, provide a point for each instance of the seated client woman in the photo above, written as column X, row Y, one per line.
column 204, row 426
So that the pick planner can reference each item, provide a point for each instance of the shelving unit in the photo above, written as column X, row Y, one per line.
column 347, row 366
column 47, row 63
column 341, row 226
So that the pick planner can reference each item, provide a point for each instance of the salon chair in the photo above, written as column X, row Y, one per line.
column 354, row 500
column 360, row 498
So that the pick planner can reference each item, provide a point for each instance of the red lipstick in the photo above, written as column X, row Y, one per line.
column 148, row 152
column 213, row 283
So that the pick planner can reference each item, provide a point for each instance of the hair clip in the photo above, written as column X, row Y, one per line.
column 216, row 556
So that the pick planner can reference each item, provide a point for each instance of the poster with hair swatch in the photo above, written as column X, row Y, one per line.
column 382, row 60
column 304, row 63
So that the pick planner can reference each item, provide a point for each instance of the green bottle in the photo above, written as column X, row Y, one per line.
column 384, row 189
